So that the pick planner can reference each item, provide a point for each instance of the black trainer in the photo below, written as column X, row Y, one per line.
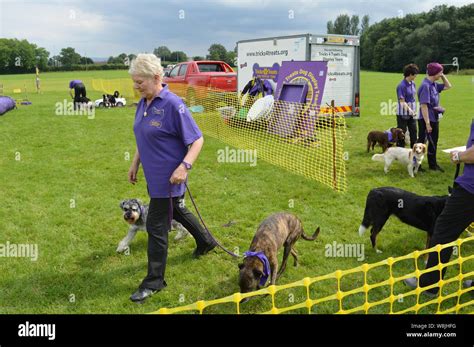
column 204, row 250
column 412, row 282
column 142, row 294
column 436, row 168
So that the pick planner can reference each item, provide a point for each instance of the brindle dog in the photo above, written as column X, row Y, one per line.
column 280, row 229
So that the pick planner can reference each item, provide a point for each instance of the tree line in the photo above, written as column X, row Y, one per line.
column 21, row 56
column 216, row 52
column 444, row 34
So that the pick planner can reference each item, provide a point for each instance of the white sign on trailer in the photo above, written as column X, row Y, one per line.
column 262, row 55
column 263, row 58
column 340, row 82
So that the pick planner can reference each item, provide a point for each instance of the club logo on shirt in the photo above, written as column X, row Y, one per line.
column 155, row 123
column 157, row 111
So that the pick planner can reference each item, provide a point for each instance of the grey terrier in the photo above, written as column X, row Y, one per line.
column 135, row 213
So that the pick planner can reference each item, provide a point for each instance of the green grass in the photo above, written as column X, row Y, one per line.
column 73, row 157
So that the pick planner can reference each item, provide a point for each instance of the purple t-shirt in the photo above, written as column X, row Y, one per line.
column 406, row 90
column 467, row 179
column 428, row 93
column 73, row 83
column 163, row 131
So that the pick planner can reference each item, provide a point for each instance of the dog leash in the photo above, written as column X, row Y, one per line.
column 430, row 140
column 170, row 206
column 204, row 224
column 170, row 218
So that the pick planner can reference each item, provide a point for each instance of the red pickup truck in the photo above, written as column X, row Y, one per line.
column 195, row 79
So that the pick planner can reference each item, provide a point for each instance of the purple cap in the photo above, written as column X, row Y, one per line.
column 434, row 68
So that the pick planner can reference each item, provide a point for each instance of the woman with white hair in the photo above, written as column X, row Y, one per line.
column 168, row 142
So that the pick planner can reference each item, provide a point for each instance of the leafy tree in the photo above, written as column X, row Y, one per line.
column 345, row 25
column 342, row 25
column 69, row 57
column 19, row 56
column 231, row 58
column 330, row 27
column 54, row 61
column 217, row 52
column 178, row 56
column 162, row 52
column 440, row 35
column 86, row 61
column 354, row 25
column 41, row 55
column 365, row 24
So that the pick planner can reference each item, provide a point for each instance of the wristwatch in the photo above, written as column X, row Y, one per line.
column 456, row 157
column 187, row 165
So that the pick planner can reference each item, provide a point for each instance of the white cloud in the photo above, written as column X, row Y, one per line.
column 48, row 23
column 103, row 28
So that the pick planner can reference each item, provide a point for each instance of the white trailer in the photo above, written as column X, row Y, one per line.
column 342, row 52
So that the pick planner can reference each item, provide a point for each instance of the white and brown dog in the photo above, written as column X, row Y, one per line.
column 411, row 158
column 135, row 213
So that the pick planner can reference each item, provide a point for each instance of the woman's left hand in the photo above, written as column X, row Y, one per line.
column 179, row 175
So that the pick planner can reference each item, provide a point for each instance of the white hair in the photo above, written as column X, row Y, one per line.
column 147, row 65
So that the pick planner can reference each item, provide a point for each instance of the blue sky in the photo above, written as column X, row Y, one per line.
column 102, row 28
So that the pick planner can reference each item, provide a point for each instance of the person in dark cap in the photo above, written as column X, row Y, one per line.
column 431, row 111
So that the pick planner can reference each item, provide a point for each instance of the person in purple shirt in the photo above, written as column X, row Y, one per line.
column 456, row 216
column 168, row 143
column 406, row 109
column 428, row 97
column 79, row 92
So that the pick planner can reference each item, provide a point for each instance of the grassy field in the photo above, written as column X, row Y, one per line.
column 62, row 178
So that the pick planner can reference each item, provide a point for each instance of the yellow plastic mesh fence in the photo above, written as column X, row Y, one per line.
column 301, row 138
column 294, row 136
column 355, row 290
column 123, row 85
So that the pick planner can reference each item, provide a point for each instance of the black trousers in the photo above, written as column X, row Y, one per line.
column 79, row 93
column 456, row 216
column 411, row 125
column 158, row 226
column 433, row 143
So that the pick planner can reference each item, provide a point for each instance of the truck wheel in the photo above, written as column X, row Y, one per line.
column 119, row 104
column 101, row 104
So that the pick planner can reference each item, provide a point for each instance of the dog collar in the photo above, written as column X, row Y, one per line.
column 390, row 136
column 266, row 264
